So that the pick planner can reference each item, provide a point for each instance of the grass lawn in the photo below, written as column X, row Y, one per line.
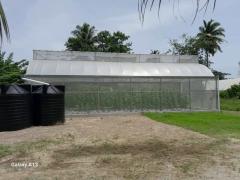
column 230, row 104
column 216, row 124
column 25, row 147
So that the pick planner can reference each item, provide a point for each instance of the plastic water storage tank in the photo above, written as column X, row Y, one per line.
column 48, row 104
column 15, row 104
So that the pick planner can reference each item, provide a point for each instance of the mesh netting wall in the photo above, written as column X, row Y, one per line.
column 86, row 95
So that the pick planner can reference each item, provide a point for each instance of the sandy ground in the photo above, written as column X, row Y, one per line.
column 118, row 147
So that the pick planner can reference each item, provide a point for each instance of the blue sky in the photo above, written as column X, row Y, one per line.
column 46, row 24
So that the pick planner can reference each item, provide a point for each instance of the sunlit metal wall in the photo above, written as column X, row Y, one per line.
column 138, row 94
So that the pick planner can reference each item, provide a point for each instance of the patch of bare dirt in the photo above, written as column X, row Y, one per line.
column 118, row 147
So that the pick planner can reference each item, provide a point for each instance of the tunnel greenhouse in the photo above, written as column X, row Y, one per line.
column 111, row 82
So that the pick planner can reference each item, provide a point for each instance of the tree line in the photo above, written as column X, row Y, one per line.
column 205, row 44
column 85, row 38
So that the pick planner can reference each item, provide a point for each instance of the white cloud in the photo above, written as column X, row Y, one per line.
column 168, row 17
column 46, row 25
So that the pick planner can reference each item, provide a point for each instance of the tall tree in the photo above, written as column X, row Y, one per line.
column 186, row 46
column 119, row 43
column 189, row 45
column 210, row 37
column 143, row 4
column 10, row 71
column 103, row 40
column 83, row 38
column 3, row 24
column 116, row 42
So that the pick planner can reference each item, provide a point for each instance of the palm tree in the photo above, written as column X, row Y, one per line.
column 143, row 4
column 210, row 36
column 83, row 38
column 3, row 24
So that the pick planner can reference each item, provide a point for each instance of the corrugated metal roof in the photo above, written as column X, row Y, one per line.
column 89, row 68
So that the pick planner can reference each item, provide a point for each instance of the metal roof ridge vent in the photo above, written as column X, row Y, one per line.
column 112, row 57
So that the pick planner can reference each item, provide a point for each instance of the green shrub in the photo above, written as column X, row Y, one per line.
column 224, row 94
column 11, row 71
column 233, row 92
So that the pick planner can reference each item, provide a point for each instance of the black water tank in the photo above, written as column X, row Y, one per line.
column 15, row 104
column 48, row 104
